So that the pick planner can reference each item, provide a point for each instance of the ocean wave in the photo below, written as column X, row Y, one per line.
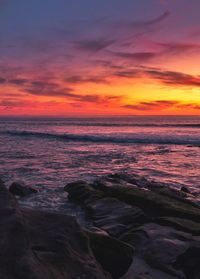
column 134, row 138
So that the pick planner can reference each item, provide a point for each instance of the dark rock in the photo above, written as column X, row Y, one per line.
column 162, row 253
column 185, row 190
column 189, row 262
column 137, row 238
column 144, row 277
column 38, row 245
column 21, row 190
column 58, row 240
column 115, row 256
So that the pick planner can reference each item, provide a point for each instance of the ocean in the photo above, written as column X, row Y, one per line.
column 48, row 153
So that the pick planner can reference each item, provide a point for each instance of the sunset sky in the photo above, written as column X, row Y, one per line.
column 108, row 57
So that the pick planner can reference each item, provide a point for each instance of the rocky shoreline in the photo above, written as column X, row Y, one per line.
column 137, row 230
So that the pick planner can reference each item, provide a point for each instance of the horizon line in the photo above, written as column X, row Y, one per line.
column 98, row 116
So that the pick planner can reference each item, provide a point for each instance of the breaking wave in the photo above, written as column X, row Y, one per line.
column 126, row 139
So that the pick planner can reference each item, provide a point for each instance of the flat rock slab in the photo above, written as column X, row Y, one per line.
column 115, row 217
column 163, row 248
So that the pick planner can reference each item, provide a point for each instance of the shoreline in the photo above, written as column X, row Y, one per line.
column 131, row 232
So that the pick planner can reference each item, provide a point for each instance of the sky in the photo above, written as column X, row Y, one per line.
column 92, row 57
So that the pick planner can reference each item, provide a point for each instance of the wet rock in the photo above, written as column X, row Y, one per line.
column 111, row 215
column 161, row 226
column 141, row 182
column 143, row 277
column 115, row 217
column 133, row 179
column 171, row 193
column 115, row 256
column 180, row 224
column 19, row 189
column 37, row 245
column 141, row 270
column 137, row 238
column 153, row 203
column 185, row 190
column 82, row 192
column 158, row 246
column 162, row 253
column 58, row 241
column 189, row 262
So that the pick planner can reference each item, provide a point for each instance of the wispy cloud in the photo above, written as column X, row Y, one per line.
column 93, row 45
column 169, row 78
column 174, row 78
column 18, row 81
column 15, row 103
column 10, row 103
column 37, row 88
column 144, row 23
column 135, row 56
column 118, row 32
column 2, row 80
column 55, row 90
column 192, row 106
column 126, row 73
column 159, row 104
column 78, row 79
column 177, row 48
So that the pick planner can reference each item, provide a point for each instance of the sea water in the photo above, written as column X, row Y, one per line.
column 48, row 153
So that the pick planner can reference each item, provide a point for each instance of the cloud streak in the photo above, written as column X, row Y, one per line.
column 93, row 45
column 135, row 56
column 138, row 24
column 146, row 106
column 52, row 89
column 169, row 78
column 174, row 78
column 150, row 22
column 161, row 105
column 78, row 79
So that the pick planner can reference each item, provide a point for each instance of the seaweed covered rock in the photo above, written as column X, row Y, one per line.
column 82, row 192
column 152, row 202
column 180, row 224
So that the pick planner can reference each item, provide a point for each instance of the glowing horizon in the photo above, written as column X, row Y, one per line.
column 116, row 58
